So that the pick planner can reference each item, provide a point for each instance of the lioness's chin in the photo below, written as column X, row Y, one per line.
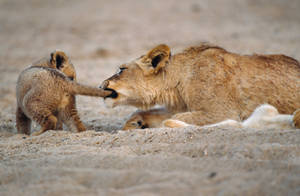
column 110, row 103
column 113, row 102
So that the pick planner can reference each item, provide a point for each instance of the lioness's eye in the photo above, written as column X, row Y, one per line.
column 121, row 69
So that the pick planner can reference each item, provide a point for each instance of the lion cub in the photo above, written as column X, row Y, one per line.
column 46, row 94
column 147, row 119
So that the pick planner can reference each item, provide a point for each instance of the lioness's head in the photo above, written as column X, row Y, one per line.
column 138, row 83
column 59, row 60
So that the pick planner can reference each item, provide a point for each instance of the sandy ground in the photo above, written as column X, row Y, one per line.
column 99, row 36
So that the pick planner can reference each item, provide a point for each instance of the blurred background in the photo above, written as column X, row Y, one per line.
column 99, row 35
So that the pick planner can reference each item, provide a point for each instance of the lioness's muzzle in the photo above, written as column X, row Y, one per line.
column 104, row 86
column 113, row 94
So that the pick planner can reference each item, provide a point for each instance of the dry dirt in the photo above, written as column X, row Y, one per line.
column 100, row 35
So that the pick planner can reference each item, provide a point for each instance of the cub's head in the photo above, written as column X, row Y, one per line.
column 137, row 83
column 59, row 60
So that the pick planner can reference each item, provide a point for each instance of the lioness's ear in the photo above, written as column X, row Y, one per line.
column 156, row 59
column 58, row 58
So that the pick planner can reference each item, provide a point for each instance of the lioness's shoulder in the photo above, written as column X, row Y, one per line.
column 202, row 47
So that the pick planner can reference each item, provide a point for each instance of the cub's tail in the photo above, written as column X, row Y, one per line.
column 80, row 89
column 296, row 119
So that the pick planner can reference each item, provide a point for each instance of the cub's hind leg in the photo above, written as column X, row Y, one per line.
column 23, row 123
column 42, row 115
column 59, row 124
column 48, row 123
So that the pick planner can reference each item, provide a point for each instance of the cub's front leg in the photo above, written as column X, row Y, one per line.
column 71, row 117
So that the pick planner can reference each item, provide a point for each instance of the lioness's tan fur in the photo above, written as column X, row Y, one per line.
column 207, row 84
column 46, row 94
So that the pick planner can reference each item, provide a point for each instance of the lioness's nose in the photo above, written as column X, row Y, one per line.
column 104, row 84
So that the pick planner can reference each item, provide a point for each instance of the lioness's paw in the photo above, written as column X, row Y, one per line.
column 174, row 123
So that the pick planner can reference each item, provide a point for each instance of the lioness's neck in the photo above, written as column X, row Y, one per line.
column 168, row 93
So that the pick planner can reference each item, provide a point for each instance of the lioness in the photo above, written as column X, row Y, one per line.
column 207, row 84
column 46, row 92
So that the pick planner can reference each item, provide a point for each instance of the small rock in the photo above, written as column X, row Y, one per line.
column 212, row 175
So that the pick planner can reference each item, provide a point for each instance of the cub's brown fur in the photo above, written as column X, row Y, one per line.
column 147, row 119
column 207, row 84
column 46, row 94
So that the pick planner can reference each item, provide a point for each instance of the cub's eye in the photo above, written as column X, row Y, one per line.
column 139, row 123
column 133, row 124
column 71, row 78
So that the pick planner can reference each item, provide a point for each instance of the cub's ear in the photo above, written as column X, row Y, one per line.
column 57, row 59
column 155, row 59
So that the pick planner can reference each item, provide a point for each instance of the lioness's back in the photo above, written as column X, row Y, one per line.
column 242, row 81
column 270, row 79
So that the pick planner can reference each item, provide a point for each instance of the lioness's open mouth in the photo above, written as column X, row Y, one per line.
column 113, row 94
